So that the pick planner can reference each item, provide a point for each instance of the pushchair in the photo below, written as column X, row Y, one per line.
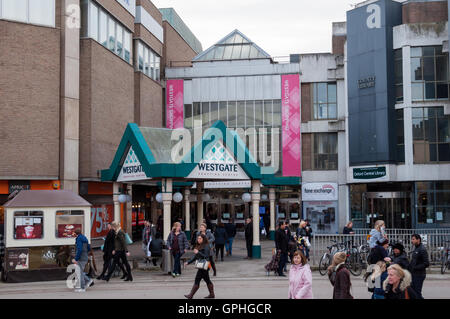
column 273, row 264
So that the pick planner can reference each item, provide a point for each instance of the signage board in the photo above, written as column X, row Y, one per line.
column 174, row 104
column 369, row 172
column 132, row 169
column 291, row 125
column 218, row 163
column 320, row 192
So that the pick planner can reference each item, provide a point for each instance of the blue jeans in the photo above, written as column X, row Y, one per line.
column 417, row 284
column 84, row 278
column 374, row 296
column 177, row 263
column 229, row 245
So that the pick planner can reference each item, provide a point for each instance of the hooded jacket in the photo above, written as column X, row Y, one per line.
column 300, row 282
column 83, row 248
column 342, row 282
column 405, row 283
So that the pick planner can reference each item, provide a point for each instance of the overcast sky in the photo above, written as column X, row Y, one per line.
column 280, row 27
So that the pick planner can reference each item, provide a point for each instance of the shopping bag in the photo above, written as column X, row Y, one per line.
column 128, row 239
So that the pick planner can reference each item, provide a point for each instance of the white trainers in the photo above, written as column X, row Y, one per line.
column 79, row 290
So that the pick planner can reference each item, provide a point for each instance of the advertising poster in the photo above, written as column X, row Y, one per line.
column 101, row 215
column 322, row 216
column 28, row 228
column 174, row 104
column 291, row 121
column 17, row 259
column 68, row 230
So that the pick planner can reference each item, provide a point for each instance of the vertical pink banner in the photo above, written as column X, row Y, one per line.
column 174, row 104
column 291, row 125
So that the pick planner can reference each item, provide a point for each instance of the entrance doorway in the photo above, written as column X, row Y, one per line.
column 392, row 207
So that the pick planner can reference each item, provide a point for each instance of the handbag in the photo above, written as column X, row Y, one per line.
column 128, row 239
column 202, row 264
column 308, row 244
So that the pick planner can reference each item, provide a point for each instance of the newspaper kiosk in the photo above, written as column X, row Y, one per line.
column 40, row 234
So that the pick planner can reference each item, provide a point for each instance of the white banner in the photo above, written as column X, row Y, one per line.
column 320, row 192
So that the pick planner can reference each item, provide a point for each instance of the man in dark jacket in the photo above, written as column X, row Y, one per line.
column 400, row 257
column 156, row 248
column 419, row 263
column 281, row 244
column 230, row 228
column 221, row 238
column 108, row 247
column 249, row 237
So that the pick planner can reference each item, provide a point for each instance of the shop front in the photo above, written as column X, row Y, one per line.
column 320, row 206
column 215, row 157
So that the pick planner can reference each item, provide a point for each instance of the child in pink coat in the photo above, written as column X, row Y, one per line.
column 300, row 278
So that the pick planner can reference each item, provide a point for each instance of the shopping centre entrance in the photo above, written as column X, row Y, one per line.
column 392, row 207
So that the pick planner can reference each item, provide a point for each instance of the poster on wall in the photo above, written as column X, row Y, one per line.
column 17, row 259
column 101, row 215
column 68, row 230
column 174, row 104
column 322, row 216
column 291, row 121
column 28, row 228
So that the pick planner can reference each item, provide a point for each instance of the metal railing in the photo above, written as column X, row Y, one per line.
column 434, row 241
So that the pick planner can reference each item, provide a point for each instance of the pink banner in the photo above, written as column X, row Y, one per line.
column 291, row 125
column 174, row 104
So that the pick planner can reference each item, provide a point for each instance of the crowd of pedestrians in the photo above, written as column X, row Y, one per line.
column 388, row 276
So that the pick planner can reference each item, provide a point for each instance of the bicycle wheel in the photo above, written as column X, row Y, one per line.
column 324, row 263
column 355, row 266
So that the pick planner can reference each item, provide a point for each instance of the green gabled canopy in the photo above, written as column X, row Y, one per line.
column 153, row 148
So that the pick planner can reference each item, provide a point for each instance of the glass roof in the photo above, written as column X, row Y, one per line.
column 234, row 46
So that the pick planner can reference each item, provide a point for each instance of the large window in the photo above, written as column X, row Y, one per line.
column 103, row 28
column 67, row 221
column 398, row 73
column 148, row 61
column 235, row 114
column 40, row 12
column 325, row 156
column 429, row 73
column 28, row 224
column 431, row 135
column 324, row 101
column 433, row 202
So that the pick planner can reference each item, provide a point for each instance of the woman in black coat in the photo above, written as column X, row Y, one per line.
column 221, row 238
column 108, row 248
column 201, row 252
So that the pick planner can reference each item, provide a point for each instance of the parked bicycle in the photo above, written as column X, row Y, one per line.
column 327, row 258
column 354, row 260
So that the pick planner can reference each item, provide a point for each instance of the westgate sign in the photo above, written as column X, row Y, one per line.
column 132, row 169
column 218, row 164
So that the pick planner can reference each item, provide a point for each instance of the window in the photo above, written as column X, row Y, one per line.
column 111, row 34
column 398, row 73
column 127, row 46
column 93, row 21
column 148, row 61
column 325, row 155
column 188, row 116
column 103, row 27
column 28, row 224
column 433, row 203
column 67, row 222
column 429, row 73
column 40, row 12
column 431, row 135
column 276, row 113
column 324, row 101
column 119, row 44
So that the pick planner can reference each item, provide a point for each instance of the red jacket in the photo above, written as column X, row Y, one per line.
column 342, row 283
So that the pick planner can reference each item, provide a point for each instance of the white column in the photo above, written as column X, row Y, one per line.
column 272, row 198
column 199, row 204
column 187, row 208
column 256, row 196
column 116, row 201
column 167, row 201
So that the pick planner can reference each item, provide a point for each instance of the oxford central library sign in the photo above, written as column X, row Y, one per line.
column 369, row 172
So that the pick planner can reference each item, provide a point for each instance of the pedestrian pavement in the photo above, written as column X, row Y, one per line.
column 237, row 278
